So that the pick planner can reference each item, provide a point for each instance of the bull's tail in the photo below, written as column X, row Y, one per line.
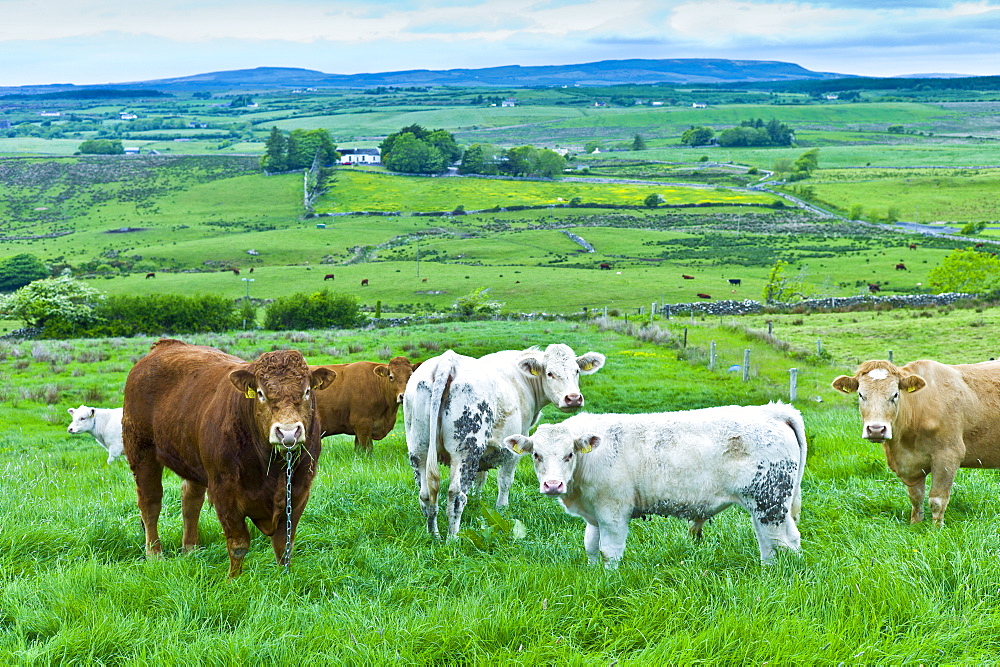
column 444, row 373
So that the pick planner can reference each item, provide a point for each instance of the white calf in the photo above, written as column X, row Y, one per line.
column 105, row 424
column 694, row 464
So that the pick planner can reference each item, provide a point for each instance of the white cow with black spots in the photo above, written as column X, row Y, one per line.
column 611, row 468
column 465, row 407
column 105, row 424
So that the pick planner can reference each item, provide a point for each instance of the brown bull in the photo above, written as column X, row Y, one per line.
column 930, row 418
column 223, row 425
column 364, row 399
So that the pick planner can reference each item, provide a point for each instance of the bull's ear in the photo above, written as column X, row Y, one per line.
column 71, row 410
column 245, row 382
column 530, row 366
column 382, row 370
column 517, row 443
column 587, row 443
column 94, row 411
column 846, row 384
column 912, row 383
column 414, row 366
column 322, row 378
column 590, row 362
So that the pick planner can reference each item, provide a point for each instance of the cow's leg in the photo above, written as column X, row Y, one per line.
column 234, row 527
column 464, row 467
column 148, row 474
column 429, row 486
column 363, row 436
column 505, row 476
column 774, row 533
column 942, row 477
column 916, row 488
column 192, row 500
column 278, row 541
column 477, row 485
column 613, row 533
column 592, row 543
column 695, row 530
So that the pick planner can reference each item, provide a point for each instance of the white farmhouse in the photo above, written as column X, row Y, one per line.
column 360, row 156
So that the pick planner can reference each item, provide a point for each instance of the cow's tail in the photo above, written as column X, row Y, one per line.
column 444, row 373
column 793, row 418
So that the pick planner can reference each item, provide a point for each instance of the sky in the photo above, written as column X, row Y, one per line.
column 110, row 41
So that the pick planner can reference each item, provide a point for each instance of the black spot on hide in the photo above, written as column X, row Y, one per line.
column 770, row 490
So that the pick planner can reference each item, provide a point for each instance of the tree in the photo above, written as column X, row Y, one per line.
column 965, row 270
column 412, row 156
column 480, row 159
column 102, row 147
column 591, row 146
column 638, row 143
column 549, row 164
column 275, row 156
column 319, row 310
column 64, row 299
column 519, row 161
column 19, row 270
column 697, row 136
column 445, row 143
column 779, row 287
column 308, row 146
column 477, row 302
column 653, row 200
column 807, row 162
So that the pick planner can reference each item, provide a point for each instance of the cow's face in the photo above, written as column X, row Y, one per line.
column 880, row 386
column 559, row 369
column 397, row 372
column 281, row 387
column 555, row 452
column 83, row 419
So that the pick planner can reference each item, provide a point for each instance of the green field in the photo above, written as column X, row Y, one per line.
column 368, row 585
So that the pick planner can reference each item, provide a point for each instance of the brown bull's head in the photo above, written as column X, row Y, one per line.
column 397, row 372
column 879, row 385
column 281, row 386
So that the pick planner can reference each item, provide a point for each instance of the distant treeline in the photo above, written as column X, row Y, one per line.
column 866, row 83
column 91, row 94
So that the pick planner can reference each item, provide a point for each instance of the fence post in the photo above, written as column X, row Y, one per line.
column 793, row 387
column 746, row 365
column 770, row 327
column 711, row 356
column 819, row 347
column 666, row 310
column 605, row 312
column 890, row 356
column 685, row 337
column 652, row 313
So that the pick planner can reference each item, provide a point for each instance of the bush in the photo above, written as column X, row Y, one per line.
column 19, row 270
column 151, row 314
column 320, row 310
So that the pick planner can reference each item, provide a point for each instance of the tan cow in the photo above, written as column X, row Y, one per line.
column 930, row 418
column 364, row 399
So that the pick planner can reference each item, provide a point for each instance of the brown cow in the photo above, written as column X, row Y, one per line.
column 236, row 272
column 363, row 400
column 329, row 276
column 930, row 418
column 605, row 266
column 364, row 282
column 913, row 246
column 872, row 287
column 222, row 424
column 702, row 295
column 687, row 277
column 150, row 275
column 901, row 267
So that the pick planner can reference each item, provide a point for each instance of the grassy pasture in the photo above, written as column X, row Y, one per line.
column 369, row 586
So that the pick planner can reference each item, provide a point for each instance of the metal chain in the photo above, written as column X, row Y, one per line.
column 288, row 510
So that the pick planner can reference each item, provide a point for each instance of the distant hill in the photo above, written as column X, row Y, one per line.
column 602, row 73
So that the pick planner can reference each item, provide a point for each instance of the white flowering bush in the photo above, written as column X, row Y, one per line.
column 63, row 298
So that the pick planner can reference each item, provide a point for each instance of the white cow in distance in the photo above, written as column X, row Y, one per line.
column 105, row 424
column 458, row 409
column 693, row 464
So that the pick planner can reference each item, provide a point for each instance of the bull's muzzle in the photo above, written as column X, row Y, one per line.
column 553, row 487
column 288, row 435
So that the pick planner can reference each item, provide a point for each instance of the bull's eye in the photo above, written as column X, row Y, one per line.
column 391, row 378
column 895, row 397
column 538, row 458
column 308, row 393
column 551, row 375
column 860, row 396
column 568, row 457
column 260, row 395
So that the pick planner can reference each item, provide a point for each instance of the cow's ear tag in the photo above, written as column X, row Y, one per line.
column 517, row 448
column 251, row 393
column 911, row 389
column 535, row 371
column 586, row 449
column 588, row 366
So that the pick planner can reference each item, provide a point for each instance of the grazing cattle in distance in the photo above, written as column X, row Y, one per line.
column 610, row 468
column 605, row 266
column 251, row 269
column 223, row 425
column 364, row 399
column 236, row 272
column 424, row 280
column 329, row 276
column 364, row 282
column 150, row 275
column 901, row 267
column 735, row 282
column 930, row 418
column 687, row 277
column 457, row 410
column 979, row 245
column 872, row 287
column 105, row 424
column 913, row 246
column 702, row 295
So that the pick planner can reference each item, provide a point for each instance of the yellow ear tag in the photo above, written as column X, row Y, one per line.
column 535, row 371
column 586, row 449
column 911, row 389
column 517, row 448
column 588, row 367
column 251, row 393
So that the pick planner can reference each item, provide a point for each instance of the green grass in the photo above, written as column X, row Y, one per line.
column 369, row 586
